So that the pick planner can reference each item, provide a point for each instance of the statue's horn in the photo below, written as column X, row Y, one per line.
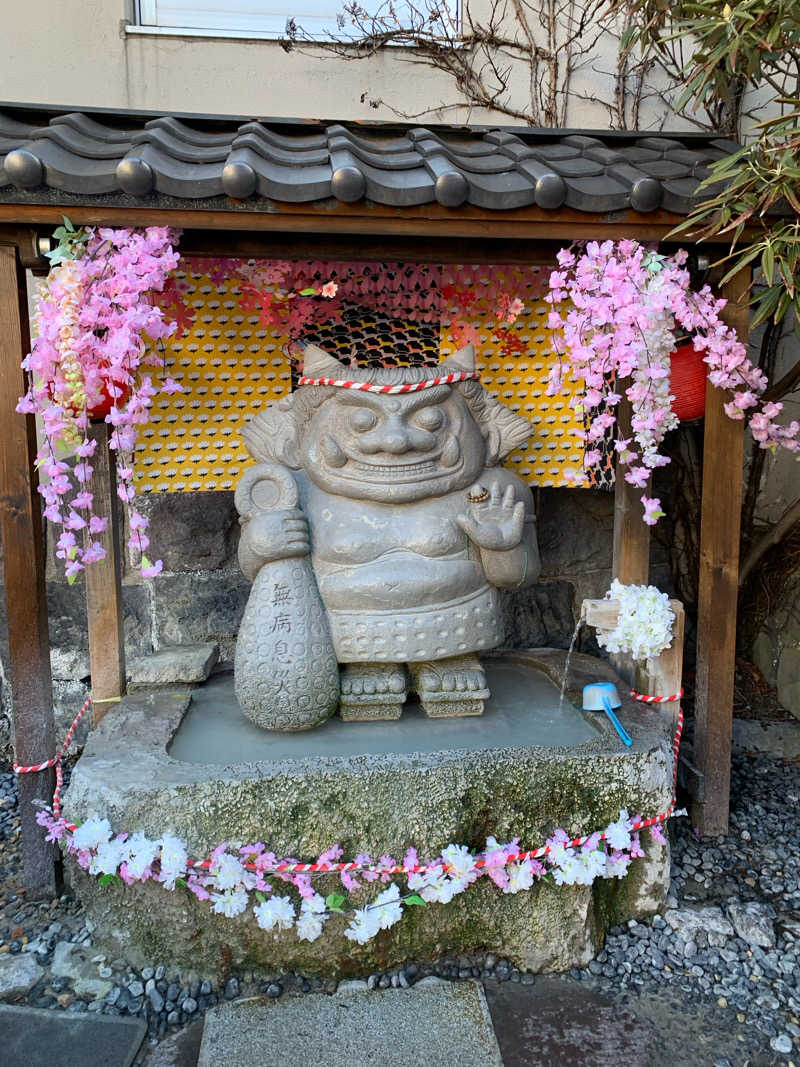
column 319, row 364
column 463, row 360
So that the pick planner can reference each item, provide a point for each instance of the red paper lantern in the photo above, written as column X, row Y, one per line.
column 106, row 402
column 688, row 382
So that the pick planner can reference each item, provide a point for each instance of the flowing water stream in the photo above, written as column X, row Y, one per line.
column 574, row 638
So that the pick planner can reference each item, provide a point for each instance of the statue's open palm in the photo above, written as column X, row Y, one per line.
column 495, row 523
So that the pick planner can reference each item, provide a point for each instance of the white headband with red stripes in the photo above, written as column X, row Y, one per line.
column 407, row 387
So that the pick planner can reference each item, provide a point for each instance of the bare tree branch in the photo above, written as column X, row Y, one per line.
column 773, row 536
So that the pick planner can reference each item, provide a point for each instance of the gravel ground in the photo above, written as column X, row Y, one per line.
column 729, row 940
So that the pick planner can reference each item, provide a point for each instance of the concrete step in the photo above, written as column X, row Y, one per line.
column 435, row 1022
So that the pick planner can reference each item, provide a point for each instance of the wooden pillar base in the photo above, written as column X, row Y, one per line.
column 104, row 585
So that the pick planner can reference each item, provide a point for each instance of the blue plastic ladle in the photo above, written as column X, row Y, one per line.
column 603, row 696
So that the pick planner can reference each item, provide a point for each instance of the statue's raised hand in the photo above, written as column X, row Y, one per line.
column 495, row 520
column 273, row 526
column 272, row 535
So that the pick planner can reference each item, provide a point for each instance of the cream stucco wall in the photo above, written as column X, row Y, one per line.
column 78, row 53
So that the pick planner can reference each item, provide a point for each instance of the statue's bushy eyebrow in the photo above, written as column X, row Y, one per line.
column 410, row 401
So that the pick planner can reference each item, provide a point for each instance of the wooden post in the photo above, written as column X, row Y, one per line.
column 26, row 599
column 723, row 454
column 631, row 555
column 631, row 548
column 104, row 585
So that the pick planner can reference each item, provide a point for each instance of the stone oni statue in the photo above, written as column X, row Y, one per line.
column 377, row 528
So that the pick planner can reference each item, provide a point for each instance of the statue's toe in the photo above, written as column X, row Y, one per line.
column 397, row 683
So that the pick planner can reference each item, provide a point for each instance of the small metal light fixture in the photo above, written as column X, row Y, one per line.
column 44, row 245
column 699, row 265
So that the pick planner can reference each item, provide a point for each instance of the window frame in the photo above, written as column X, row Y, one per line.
column 146, row 23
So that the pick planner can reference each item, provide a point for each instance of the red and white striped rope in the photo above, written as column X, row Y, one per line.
column 377, row 868
column 406, row 387
column 676, row 741
column 56, row 760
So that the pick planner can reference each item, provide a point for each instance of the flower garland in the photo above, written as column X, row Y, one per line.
column 625, row 303
column 93, row 315
column 644, row 628
column 231, row 879
column 228, row 879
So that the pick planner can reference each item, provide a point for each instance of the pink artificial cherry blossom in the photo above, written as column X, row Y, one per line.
column 624, row 305
column 95, row 319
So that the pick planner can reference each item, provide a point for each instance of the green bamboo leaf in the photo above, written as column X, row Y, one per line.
column 768, row 264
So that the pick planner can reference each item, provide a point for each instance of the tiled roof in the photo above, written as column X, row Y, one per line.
column 495, row 169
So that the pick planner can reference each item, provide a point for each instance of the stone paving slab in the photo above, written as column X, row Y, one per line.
column 174, row 665
column 435, row 1022
column 560, row 1024
column 36, row 1037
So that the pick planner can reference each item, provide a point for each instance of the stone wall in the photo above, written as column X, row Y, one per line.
column 201, row 594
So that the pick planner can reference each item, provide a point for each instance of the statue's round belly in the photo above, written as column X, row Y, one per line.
column 396, row 580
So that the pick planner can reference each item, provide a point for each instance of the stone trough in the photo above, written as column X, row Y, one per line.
column 184, row 762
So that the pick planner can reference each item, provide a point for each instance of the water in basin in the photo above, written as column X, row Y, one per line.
column 522, row 711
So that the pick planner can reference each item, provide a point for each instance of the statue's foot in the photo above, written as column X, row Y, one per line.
column 447, row 687
column 372, row 691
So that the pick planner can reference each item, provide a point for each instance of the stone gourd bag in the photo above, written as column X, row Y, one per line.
column 287, row 676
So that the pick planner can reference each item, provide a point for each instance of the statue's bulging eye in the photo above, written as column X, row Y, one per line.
column 430, row 418
column 363, row 419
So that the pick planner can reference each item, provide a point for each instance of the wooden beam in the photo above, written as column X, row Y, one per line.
column 356, row 219
column 104, row 585
column 26, row 600
column 723, row 453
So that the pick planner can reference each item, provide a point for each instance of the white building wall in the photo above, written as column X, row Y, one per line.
column 80, row 53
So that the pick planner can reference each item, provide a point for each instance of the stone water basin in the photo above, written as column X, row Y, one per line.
column 188, row 763
column 524, row 710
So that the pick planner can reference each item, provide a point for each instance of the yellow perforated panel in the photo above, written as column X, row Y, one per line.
column 231, row 369
column 520, row 381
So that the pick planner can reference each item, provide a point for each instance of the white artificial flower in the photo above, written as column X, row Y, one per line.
column 645, row 621
column 173, row 858
column 618, row 834
column 363, row 926
column 520, row 876
column 142, row 853
column 568, row 872
column 228, row 872
column 108, row 857
column 460, row 862
column 309, row 926
column 315, row 905
column 387, row 908
column 617, row 865
column 595, row 863
column 435, row 887
column 275, row 912
column 91, row 834
column 230, row 903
